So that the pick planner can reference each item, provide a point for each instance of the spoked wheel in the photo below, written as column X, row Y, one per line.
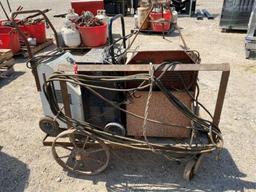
column 191, row 167
column 87, row 155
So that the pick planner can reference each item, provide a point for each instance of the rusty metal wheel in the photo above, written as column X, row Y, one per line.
column 86, row 156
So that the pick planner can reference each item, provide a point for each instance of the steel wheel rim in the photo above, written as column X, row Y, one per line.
column 103, row 148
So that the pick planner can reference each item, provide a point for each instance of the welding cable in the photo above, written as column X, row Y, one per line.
column 109, row 102
column 170, row 149
column 106, row 100
column 184, row 149
column 172, row 65
column 64, row 118
column 178, row 149
column 121, row 53
column 71, row 79
column 206, row 124
column 195, row 99
column 186, row 111
column 103, row 88
column 183, row 82
column 83, row 77
column 36, row 60
column 49, row 96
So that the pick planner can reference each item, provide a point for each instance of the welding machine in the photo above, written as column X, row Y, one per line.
column 48, row 123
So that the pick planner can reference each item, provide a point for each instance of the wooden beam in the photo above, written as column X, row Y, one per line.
column 7, row 63
column 38, row 48
column 144, row 67
column 5, row 54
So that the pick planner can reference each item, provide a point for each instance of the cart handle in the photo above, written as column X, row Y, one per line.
column 110, row 32
column 16, row 13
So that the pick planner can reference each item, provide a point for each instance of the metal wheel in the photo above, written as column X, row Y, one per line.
column 115, row 128
column 49, row 126
column 189, row 170
column 87, row 155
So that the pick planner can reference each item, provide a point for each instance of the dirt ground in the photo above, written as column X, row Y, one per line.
column 26, row 165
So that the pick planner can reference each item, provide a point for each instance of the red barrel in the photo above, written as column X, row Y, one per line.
column 9, row 39
column 93, row 36
column 160, row 27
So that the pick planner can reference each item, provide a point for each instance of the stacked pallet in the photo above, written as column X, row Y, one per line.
column 6, row 63
column 35, row 49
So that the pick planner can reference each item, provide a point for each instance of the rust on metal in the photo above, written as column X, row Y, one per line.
column 221, row 96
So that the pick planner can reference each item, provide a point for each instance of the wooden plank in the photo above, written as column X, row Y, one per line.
column 37, row 48
column 144, row 67
column 8, row 63
column 5, row 54
column 5, row 72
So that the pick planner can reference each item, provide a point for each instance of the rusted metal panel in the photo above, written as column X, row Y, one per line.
column 160, row 109
column 172, row 80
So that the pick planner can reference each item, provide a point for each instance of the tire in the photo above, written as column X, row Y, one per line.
column 49, row 126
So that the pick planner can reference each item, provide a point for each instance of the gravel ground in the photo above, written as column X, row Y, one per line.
column 25, row 165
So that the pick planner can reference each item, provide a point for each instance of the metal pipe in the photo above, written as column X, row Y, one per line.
column 111, row 40
column 30, row 54
column 6, row 15
column 39, row 12
column 9, row 6
column 32, row 16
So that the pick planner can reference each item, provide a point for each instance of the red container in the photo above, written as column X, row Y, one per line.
column 93, row 36
column 161, row 27
column 21, row 27
column 35, row 31
column 87, row 5
column 9, row 39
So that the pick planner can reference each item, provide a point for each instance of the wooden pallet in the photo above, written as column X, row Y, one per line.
column 6, row 72
column 5, row 54
column 6, row 63
column 35, row 49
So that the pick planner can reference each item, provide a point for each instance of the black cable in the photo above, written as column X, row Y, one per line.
column 80, row 79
